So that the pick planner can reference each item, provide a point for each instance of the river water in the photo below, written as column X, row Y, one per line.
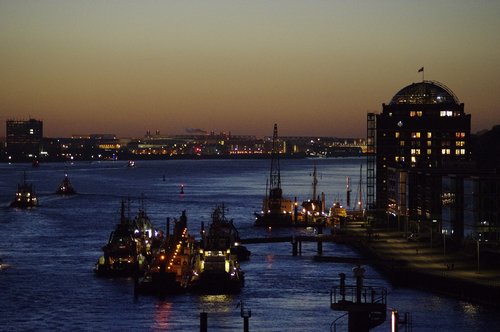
column 48, row 253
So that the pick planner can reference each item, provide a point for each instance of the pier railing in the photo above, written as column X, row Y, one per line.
column 349, row 294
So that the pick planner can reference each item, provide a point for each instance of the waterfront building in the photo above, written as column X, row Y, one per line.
column 471, row 206
column 24, row 138
column 420, row 136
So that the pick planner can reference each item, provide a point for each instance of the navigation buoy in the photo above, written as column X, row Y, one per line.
column 182, row 189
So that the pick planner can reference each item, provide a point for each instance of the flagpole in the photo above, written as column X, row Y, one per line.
column 422, row 70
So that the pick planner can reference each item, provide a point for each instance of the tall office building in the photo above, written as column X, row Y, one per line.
column 424, row 126
column 24, row 137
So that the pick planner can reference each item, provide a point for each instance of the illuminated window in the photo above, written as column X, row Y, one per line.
column 445, row 151
column 32, row 131
column 396, row 158
column 429, row 143
column 415, row 134
column 429, row 151
column 415, row 151
column 459, row 134
column 396, row 134
column 429, row 134
column 460, row 151
column 413, row 159
column 401, row 143
column 446, row 113
column 460, row 143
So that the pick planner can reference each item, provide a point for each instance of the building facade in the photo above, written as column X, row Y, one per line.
column 24, row 138
column 423, row 127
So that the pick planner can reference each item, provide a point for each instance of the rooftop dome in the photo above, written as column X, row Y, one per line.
column 425, row 92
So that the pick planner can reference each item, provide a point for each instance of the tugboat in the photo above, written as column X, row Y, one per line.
column 25, row 195
column 276, row 210
column 171, row 267
column 66, row 188
column 121, row 256
column 217, row 270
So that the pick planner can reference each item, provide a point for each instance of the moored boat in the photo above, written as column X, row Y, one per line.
column 25, row 195
column 217, row 269
column 121, row 255
column 170, row 271
column 66, row 188
column 276, row 210
column 313, row 210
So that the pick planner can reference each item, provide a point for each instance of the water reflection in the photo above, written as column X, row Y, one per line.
column 469, row 308
column 269, row 261
column 162, row 315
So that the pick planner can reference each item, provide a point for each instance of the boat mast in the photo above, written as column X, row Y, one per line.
column 315, row 182
column 348, row 192
column 274, row 177
column 360, row 201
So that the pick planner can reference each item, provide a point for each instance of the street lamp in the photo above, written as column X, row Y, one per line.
column 444, row 242
column 477, row 255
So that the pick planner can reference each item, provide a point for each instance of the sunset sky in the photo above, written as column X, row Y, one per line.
column 313, row 67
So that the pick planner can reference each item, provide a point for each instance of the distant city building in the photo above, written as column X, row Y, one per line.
column 24, row 138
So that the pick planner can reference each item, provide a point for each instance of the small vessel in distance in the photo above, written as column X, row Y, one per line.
column 217, row 270
column 66, row 188
column 25, row 195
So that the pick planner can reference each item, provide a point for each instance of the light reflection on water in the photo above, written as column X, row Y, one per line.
column 51, row 251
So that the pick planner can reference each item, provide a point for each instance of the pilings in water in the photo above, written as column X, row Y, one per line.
column 297, row 244
column 203, row 322
column 245, row 314
column 320, row 243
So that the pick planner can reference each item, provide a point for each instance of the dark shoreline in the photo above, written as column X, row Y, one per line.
column 398, row 270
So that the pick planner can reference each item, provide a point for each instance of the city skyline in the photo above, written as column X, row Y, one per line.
column 315, row 68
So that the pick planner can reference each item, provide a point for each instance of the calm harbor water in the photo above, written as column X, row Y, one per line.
column 50, row 251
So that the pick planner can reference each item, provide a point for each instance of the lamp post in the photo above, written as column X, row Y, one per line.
column 477, row 255
column 444, row 243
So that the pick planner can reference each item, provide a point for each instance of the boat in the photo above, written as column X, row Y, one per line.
column 276, row 210
column 171, row 268
column 66, row 188
column 313, row 210
column 217, row 269
column 337, row 214
column 145, row 234
column 25, row 195
column 121, row 255
column 131, row 164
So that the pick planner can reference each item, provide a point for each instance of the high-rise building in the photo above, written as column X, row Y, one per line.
column 24, row 137
column 424, row 127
